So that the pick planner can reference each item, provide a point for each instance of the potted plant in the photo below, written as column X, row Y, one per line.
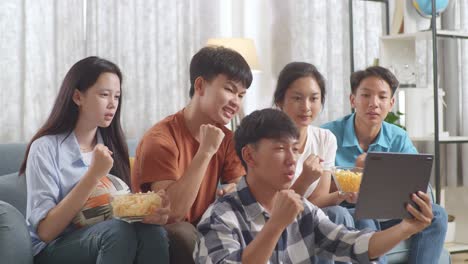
column 394, row 118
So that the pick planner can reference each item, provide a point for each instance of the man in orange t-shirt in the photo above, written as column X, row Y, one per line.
column 188, row 153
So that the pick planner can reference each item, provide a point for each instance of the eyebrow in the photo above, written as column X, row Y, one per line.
column 288, row 141
column 233, row 84
column 298, row 93
column 108, row 90
column 380, row 92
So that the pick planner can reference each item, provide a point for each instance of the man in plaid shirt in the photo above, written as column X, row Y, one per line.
column 266, row 222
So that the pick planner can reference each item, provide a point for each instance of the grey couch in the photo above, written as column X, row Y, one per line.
column 13, row 191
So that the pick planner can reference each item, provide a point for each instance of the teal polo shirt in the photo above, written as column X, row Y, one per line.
column 390, row 139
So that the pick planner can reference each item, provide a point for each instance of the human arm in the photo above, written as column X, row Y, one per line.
column 185, row 189
column 233, row 170
column 321, row 195
column 329, row 199
column 286, row 206
column 383, row 241
column 61, row 214
column 335, row 241
column 311, row 172
column 225, row 231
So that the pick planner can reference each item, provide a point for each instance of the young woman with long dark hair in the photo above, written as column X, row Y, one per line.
column 81, row 143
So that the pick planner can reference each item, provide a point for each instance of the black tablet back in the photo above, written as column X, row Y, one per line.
column 388, row 181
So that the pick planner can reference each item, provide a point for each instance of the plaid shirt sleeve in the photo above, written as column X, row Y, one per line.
column 338, row 242
column 219, row 239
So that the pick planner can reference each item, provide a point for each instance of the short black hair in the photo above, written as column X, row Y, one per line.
column 263, row 124
column 211, row 61
column 374, row 71
column 293, row 71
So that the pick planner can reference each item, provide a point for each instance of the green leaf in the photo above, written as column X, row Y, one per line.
column 393, row 118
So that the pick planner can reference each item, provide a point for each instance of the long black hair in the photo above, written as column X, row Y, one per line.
column 64, row 115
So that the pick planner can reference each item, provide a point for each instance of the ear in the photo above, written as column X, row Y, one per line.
column 77, row 97
column 352, row 100
column 392, row 101
column 199, row 86
column 248, row 155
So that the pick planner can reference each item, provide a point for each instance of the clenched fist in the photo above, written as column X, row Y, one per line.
column 312, row 167
column 287, row 204
column 210, row 139
column 102, row 161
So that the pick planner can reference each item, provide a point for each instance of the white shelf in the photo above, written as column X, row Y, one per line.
column 427, row 35
column 452, row 34
column 454, row 247
column 441, row 139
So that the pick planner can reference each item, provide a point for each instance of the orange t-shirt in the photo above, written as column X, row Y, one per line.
column 167, row 149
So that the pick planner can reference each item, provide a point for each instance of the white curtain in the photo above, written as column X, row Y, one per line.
column 317, row 32
column 151, row 41
column 38, row 41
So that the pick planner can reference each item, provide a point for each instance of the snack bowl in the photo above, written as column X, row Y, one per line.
column 347, row 179
column 133, row 207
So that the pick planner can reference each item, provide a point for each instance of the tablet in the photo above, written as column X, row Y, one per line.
column 388, row 180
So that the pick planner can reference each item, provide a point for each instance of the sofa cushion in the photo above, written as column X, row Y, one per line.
column 132, row 145
column 13, row 191
column 399, row 254
column 11, row 157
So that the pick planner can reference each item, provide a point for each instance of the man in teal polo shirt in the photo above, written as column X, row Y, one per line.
column 372, row 97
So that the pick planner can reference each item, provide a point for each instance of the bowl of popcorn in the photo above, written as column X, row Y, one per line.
column 347, row 179
column 133, row 207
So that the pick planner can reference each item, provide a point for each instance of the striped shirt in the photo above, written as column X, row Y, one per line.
column 233, row 221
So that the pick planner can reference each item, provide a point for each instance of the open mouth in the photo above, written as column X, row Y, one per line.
column 229, row 112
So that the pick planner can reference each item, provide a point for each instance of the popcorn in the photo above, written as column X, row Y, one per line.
column 348, row 181
column 138, row 204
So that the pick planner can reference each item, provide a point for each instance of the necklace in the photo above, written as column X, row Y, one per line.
column 90, row 148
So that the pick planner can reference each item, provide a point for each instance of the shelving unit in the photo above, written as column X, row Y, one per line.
column 459, row 246
column 432, row 35
column 454, row 248
column 442, row 140
column 437, row 141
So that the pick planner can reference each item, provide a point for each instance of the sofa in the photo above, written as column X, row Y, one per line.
column 13, row 192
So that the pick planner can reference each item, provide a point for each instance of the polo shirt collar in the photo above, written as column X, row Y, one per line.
column 350, row 138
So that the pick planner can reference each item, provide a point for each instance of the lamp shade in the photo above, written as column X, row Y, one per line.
column 244, row 46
